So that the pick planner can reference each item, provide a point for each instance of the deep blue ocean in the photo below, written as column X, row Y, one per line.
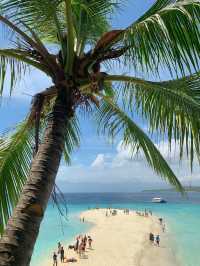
column 182, row 215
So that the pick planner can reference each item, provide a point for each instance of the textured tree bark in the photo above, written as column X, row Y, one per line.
column 17, row 243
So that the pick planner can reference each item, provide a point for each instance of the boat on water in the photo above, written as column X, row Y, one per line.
column 158, row 200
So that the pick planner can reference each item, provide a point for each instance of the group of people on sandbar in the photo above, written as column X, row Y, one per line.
column 79, row 247
column 81, row 244
column 111, row 212
column 154, row 239
column 126, row 211
column 146, row 213
column 61, row 253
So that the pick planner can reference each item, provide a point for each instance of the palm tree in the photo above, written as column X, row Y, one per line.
column 70, row 41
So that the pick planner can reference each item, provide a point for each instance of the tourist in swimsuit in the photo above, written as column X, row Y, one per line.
column 76, row 245
column 59, row 247
column 158, row 240
column 62, row 254
column 90, row 242
column 163, row 228
column 80, row 250
column 55, row 262
column 151, row 238
column 83, row 247
column 85, row 239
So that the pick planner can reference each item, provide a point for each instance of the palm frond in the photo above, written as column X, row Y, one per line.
column 92, row 19
column 166, row 36
column 27, row 39
column 72, row 138
column 15, row 158
column 14, row 68
column 14, row 64
column 112, row 120
column 24, row 49
column 156, row 7
column 170, row 108
column 70, row 37
column 39, row 15
column 16, row 153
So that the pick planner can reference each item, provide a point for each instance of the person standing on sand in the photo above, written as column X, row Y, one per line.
column 83, row 246
column 163, row 228
column 59, row 247
column 62, row 254
column 85, row 239
column 81, row 250
column 76, row 245
column 151, row 238
column 158, row 240
column 90, row 242
column 55, row 262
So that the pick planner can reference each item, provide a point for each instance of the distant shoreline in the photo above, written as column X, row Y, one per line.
column 187, row 189
column 122, row 240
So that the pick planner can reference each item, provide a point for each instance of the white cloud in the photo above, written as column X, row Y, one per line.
column 125, row 154
column 124, row 170
column 99, row 161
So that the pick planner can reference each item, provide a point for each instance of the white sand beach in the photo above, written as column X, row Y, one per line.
column 122, row 240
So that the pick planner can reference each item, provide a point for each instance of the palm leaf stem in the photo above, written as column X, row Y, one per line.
column 18, row 30
column 70, row 37
column 59, row 34
column 128, row 79
column 19, row 56
column 158, row 85
column 32, row 43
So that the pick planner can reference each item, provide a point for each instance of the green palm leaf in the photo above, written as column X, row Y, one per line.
column 112, row 120
column 14, row 61
column 166, row 36
column 12, row 68
column 14, row 65
column 72, row 138
column 16, row 153
column 39, row 15
column 15, row 158
column 156, row 7
column 171, row 108
column 89, row 17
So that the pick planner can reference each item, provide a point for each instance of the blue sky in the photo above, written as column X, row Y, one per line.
column 96, row 165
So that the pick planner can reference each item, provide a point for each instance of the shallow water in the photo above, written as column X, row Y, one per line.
column 182, row 216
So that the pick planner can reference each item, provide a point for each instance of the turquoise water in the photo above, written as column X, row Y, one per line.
column 55, row 228
column 182, row 217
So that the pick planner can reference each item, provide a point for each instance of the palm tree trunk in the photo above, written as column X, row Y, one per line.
column 17, row 243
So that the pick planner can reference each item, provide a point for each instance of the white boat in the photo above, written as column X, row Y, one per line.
column 158, row 200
